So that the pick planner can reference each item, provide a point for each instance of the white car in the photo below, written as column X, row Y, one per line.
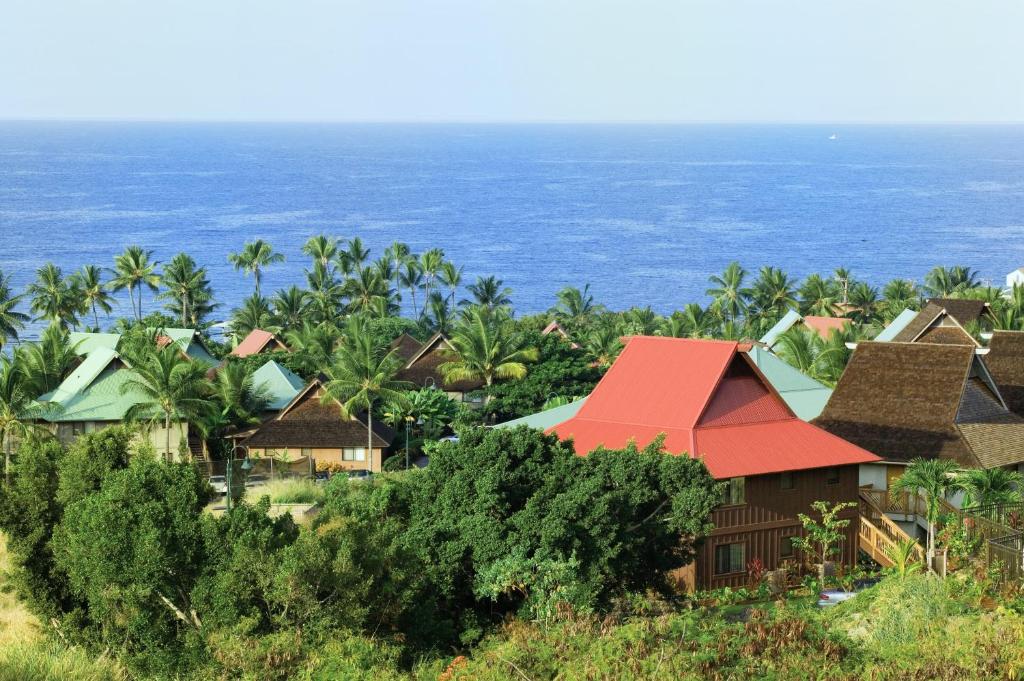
column 219, row 483
column 827, row 599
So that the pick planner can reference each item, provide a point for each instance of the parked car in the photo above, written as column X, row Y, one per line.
column 219, row 483
column 321, row 477
column 359, row 476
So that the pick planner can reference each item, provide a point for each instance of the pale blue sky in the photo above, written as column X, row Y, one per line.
column 502, row 60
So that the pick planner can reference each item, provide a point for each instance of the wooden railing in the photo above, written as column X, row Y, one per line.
column 878, row 533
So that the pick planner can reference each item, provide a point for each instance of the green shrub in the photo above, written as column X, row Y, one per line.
column 51, row 662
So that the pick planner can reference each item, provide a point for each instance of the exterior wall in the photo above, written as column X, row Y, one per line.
column 68, row 432
column 321, row 456
column 769, row 514
column 873, row 474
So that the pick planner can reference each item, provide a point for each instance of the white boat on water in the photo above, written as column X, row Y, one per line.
column 833, row 136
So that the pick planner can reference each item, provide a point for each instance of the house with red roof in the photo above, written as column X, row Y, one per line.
column 710, row 401
column 259, row 341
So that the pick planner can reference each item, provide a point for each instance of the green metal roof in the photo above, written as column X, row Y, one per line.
column 281, row 384
column 804, row 395
column 93, row 391
column 782, row 326
column 85, row 342
column 547, row 418
column 895, row 326
column 190, row 342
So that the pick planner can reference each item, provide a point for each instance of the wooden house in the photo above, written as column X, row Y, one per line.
column 710, row 400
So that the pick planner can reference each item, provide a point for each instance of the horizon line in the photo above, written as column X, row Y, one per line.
column 497, row 121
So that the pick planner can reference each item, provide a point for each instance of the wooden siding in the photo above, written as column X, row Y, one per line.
column 321, row 456
column 769, row 515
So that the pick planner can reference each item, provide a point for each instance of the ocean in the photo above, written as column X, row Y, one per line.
column 644, row 213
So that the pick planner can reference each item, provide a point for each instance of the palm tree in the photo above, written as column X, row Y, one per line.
column 489, row 292
column 47, row 361
column 170, row 386
column 603, row 344
column 397, row 254
column 351, row 259
column 19, row 410
column 325, row 293
column 946, row 282
column 729, row 295
column 362, row 375
column 254, row 258
column 844, row 279
column 315, row 344
column 431, row 263
column 411, row 277
column 321, row 248
column 290, row 307
column 132, row 271
column 640, row 321
column 364, row 289
column 697, row 321
column 819, row 297
column 863, row 300
column 188, row 289
column 821, row 359
column 450, row 276
column 932, row 478
column 54, row 298
column 240, row 399
column 574, row 305
column 254, row 313
column 11, row 321
column 484, row 347
column 773, row 293
column 901, row 555
column 88, row 281
column 438, row 314
column 989, row 486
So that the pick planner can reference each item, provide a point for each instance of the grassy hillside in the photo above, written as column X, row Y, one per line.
column 17, row 625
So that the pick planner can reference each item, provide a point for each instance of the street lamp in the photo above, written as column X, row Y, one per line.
column 246, row 467
column 408, row 421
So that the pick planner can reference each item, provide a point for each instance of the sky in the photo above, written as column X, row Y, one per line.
column 513, row 60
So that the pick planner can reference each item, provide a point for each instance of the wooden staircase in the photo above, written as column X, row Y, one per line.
column 878, row 534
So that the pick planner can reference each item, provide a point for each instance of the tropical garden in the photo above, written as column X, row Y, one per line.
column 506, row 557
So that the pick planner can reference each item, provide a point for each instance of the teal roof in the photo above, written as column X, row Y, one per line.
column 804, row 395
column 895, row 326
column 93, row 391
column 547, row 418
column 84, row 343
column 281, row 384
column 190, row 342
column 782, row 326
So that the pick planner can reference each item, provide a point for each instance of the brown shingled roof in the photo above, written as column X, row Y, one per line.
column 936, row 324
column 422, row 368
column 406, row 347
column 309, row 422
column 964, row 310
column 1005, row 360
column 903, row 400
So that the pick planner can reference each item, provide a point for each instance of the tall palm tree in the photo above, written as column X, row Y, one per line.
column 11, row 321
column 438, row 314
column 697, row 321
column 863, row 300
column 844, row 278
column 489, row 292
column 321, row 248
column 54, row 298
column 946, row 282
column 290, row 307
column 987, row 486
column 411, row 277
column 603, row 344
column 933, row 479
column 729, row 295
column 314, row 343
column 574, row 306
column 397, row 254
column 188, row 289
column 255, row 313
column 325, row 293
column 255, row 257
column 640, row 321
column 133, row 271
column 450, row 276
column 774, row 293
column 364, row 289
column 485, row 347
column 363, row 375
column 171, row 387
column 431, row 263
column 19, row 410
column 88, row 281
column 819, row 297
column 353, row 256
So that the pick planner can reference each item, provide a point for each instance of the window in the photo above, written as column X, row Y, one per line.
column 307, row 451
column 353, row 454
column 786, row 480
column 786, row 548
column 735, row 492
column 730, row 558
column 832, row 476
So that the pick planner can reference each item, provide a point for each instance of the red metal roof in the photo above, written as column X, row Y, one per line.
column 708, row 401
column 253, row 343
column 824, row 325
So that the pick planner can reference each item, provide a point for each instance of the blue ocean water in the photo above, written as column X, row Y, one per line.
column 642, row 212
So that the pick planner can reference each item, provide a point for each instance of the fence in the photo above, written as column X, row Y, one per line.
column 263, row 469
